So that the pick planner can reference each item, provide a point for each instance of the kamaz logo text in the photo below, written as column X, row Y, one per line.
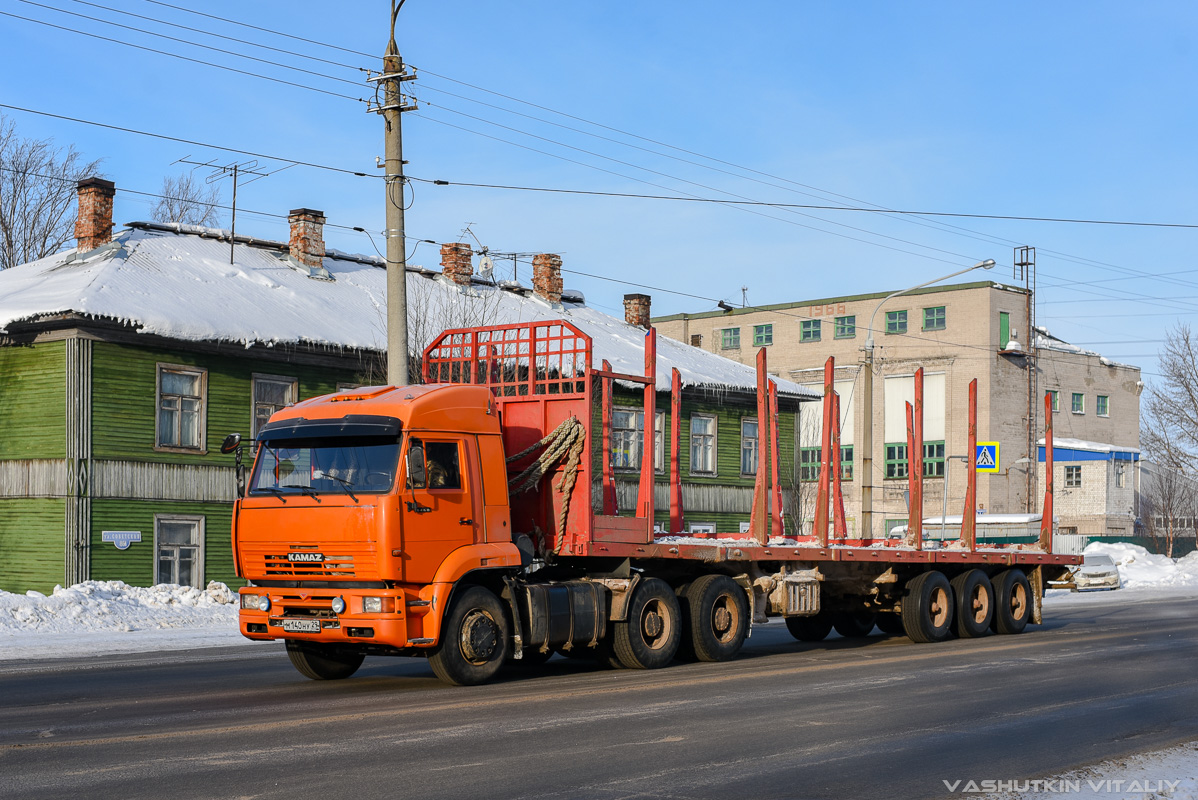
column 314, row 558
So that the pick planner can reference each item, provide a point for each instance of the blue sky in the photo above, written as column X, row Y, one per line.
column 1066, row 109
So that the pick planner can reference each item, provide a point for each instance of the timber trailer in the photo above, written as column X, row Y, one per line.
column 455, row 520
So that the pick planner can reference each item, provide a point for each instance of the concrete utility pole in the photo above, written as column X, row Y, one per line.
column 392, row 108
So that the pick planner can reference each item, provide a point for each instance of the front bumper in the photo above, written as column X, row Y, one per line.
column 353, row 625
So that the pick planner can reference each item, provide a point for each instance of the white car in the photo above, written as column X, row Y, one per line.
column 1098, row 571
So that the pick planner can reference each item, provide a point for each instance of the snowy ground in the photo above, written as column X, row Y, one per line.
column 1162, row 775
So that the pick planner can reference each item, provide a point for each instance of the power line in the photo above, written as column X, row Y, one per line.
column 164, row 137
column 182, row 57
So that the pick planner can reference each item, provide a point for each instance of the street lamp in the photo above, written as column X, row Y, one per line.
column 867, row 460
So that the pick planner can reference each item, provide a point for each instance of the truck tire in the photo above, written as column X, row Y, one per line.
column 649, row 638
column 975, row 603
column 890, row 624
column 321, row 662
column 810, row 629
column 854, row 624
column 717, row 617
column 1012, row 602
column 474, row 639
column 928, row 608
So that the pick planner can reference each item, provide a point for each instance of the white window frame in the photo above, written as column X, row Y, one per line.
column 201, row 522
column 659, row 439
column 188, row 369
column 267, row 378
column 701, row 527
column 756, row 440
column 715, row 443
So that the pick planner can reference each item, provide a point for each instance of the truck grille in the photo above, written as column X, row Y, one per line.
column 340, row 562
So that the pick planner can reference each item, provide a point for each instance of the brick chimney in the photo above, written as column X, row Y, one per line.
column 547, row 277
column 455, row 262
column 636, row 310
column 307, row 237
column 93, row 227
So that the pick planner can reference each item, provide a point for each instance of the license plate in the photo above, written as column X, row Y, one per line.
column 301, row 625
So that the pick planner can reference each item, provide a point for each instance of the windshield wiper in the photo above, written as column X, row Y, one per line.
column 308, row 491
column 344, row 484
column 276, row 491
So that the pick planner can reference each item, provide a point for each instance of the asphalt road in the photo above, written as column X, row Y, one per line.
column 879, row 717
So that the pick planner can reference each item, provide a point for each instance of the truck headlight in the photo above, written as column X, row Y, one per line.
column 250, row 601
column 264, row 603
column 338, row 605
column 372, row 605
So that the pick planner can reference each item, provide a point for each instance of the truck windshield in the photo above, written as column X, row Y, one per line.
column 325, row 465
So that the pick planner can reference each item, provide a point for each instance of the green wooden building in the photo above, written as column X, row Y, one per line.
column 126, row 361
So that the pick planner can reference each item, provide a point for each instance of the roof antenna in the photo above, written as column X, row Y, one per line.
column 744, row 296
column 235, row 170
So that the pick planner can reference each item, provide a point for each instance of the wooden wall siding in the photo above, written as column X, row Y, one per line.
column 146, row 480
column 124, row 389
column 34, row 477
column 78, row 373
column 136, row 564
column 31, row 544
column 32, row 401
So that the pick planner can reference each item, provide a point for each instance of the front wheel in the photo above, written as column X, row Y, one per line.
column 322, row 662
column 649, row 638
column 474, row 639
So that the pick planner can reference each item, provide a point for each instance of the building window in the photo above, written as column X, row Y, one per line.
column 896, row 461
column 1102, row 405
column 703, row 444
column 1079, row 403
column 1120, row 480
column 896, row 321
column 846, row 327
column 271, row 393
column 846, row 462
column 809, row 464
column 763, row 335
column 628, row 439
column 730, row 339
column 934, row 319
column 1056, row 399
column 178, row 541
column 701, row 527
column 1073, row 477
column 810, row 331
column 933, row 459
column 748, row 447
column 696, row 340
column 181, row 413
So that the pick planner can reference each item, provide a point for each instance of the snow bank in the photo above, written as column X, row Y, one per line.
column 1161, row 775
column 1140, row 569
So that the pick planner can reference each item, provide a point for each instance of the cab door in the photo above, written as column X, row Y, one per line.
column 437, row 503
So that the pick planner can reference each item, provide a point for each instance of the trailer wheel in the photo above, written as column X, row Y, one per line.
column 649, row 638
column 890, row 624
column 810, row 629
column 928, row 608
column 474, row 639
column 1012, row 602
column 320, row 662
column 854, row 624
column 975, row 603
column 718, row 612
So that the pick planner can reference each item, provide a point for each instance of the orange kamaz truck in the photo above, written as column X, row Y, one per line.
column 471, row 520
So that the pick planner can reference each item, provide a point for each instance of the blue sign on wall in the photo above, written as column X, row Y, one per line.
column 121, row 539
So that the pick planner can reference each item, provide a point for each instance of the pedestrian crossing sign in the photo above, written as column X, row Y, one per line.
column 987, row 457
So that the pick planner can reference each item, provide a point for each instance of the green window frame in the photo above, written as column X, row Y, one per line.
column 934, row 318
column 810, row 330
column 1056, row 399
column 1102, row 405
column 896, row 321
column 846, row 327
column 730, row 339
column 1078, row 403
column 808, row 464
column 896, row 460
column 933, row 459
column 846, row 462
column 763, row 334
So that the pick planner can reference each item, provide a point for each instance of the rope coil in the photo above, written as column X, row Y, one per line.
column 566, row 441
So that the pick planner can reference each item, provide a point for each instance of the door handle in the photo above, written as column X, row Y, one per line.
column 419, row 509
column 464, row 521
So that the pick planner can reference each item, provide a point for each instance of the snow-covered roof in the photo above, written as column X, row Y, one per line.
column 176, row 281
column 1063, row 443
column 1046, row 341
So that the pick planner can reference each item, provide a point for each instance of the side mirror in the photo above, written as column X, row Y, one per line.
column 416, row 465
column 231, row 443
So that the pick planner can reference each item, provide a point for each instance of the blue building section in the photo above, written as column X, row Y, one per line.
column 1070, row 454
